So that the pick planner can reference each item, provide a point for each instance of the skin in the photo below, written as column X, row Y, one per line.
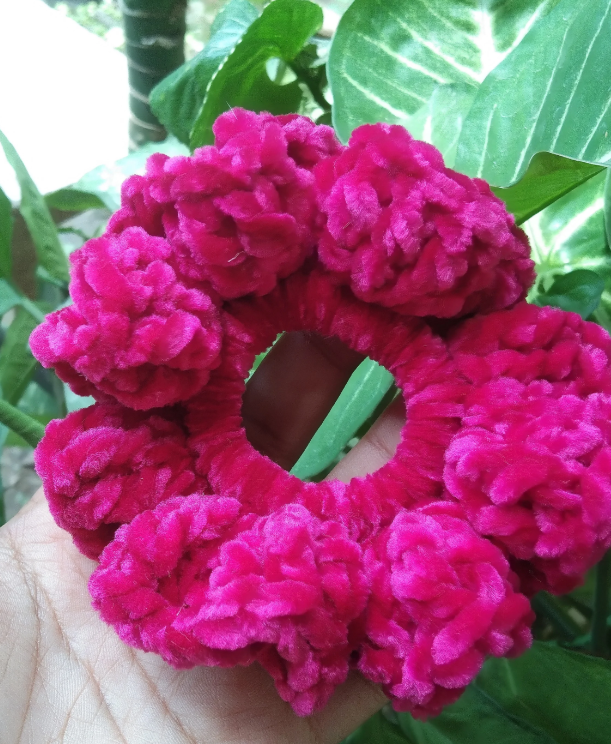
column 66, row 677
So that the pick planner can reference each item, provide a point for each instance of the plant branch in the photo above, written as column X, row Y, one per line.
column 27, row 427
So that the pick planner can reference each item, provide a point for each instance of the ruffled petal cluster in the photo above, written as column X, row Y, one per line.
column 441, row 599
column 530, row 462
column 408, row 233
column 135, row 331
column 194, row 583
column 104, row 465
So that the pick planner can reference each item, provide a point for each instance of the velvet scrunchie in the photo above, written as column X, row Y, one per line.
column 209, row 552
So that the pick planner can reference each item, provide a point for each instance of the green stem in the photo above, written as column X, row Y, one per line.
column 27, row 427
column 312, row 87
column 154, row 45
column 601, row 607
column 548, row 606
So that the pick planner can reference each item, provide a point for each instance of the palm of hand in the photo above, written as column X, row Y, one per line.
column 65, row 676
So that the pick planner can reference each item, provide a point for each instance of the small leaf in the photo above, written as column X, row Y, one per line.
column 73, row 200
column 546, row 95
column 17, row 364
column 178, row 98
column 8, row 297
column 280, row 32
column 6, row 235
column 356, row 403
column 547, row 178
column 37, row 217
column 578, row 291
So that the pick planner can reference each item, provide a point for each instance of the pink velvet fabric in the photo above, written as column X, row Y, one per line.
column 530, row 462
column 103, row 465
column 135, row 331
column 209, row 552
column 441, row 599
column 240, row 214
column 408, row 233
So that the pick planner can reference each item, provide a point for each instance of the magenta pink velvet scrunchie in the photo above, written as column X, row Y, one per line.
column 209, row 552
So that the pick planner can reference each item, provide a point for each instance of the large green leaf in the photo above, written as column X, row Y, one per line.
column 547, row 696
column 280, row 32
column 388, row 56
column 6, row 235
column 37, row 217
column 356, row 403
column 440, row 120
column 178, row 98
column 608, row 206
column 17, row 364
column 547, row 178
column 548, row 94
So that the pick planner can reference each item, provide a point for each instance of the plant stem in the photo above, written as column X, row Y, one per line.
column 601, row 607
column 28, row 428
column 154, row 45
column 547, row 605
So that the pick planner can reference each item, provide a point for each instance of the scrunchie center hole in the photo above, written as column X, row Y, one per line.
column 311, row 400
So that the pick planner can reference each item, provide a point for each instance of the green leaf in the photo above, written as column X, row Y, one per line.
column 607, row 198
column 547, row 178
column 388, row 56
column 547, row 696
column 17, row 364
column 564, row 693
column 8, row 297
column 440, row 120
column 37, row 217
column 377, row 730
column 475, row 719
column 570, row 235
column 280, row 32
column 546, row 95
column 73, row 200
column 356, row 403
column 178, row 98
column 105, row 180
column 578, row 291
column 6, row 235
column 27, row 427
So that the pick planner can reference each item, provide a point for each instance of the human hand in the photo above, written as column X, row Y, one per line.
column 66, row 677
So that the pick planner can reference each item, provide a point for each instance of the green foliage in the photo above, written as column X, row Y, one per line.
column 545, row 95
column 357, row 402
column 242, row 80
column 389, row 55
column 6, row 234
column 547, row 178
column 177, row 100
column 37, row 217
